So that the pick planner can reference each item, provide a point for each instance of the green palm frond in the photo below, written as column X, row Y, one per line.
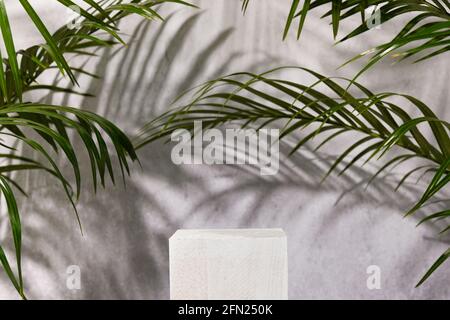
column 14, row 219
column 47, row 129
column 323, row 112
column 90, row 128
column 426, row 34
column 20, row 69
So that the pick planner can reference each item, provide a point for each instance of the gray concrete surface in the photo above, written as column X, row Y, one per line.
column 335, row 230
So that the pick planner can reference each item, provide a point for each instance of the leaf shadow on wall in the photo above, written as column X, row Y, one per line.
column 125, row 251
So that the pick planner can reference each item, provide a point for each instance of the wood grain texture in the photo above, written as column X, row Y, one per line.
column 243, row 264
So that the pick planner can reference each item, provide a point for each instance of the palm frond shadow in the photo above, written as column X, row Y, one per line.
column 131, row 98
column 137, row 254
column 225, row 107
column 304, row 171
column 302, row 174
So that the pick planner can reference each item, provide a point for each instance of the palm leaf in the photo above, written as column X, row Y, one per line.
column 14, row 219
column 426, row 35
column 262, row 99
column 19, row 73
column 90, row 127
column 10, row 48
column 100, row 16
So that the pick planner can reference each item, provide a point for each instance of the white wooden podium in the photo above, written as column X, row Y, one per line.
column 239, row 264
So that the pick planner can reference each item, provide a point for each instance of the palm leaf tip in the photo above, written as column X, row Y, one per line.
column 15, row 223
column 434, row 267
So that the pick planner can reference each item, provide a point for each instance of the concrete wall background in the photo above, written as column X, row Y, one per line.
column 124, row 253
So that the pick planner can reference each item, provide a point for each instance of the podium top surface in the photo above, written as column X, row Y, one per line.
column 227, row 233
